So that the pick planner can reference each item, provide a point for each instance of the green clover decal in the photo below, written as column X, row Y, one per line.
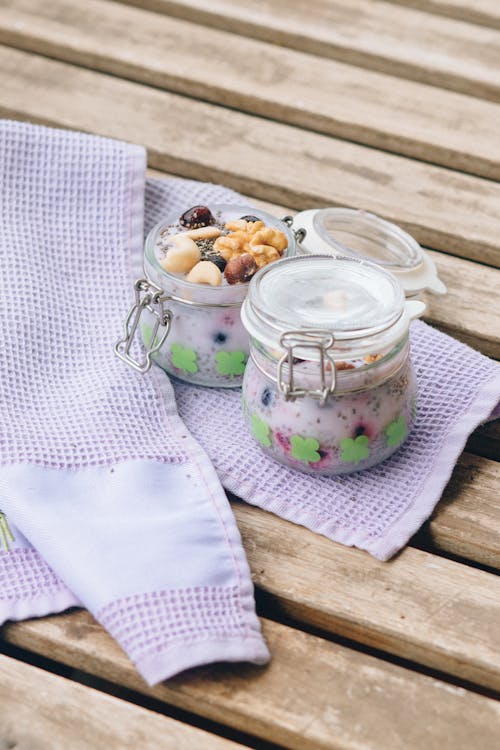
column 184, row 358
column 396, row 431
column 305, row 449
column 354, row 450
column 260, row 431
column 230, row 363
column 6, row 534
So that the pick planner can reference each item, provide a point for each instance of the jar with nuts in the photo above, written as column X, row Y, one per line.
column 198, row 267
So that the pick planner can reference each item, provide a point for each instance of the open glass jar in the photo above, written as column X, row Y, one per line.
column 329, row 387
column 191, row 330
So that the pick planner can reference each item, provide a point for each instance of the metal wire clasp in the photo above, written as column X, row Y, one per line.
column 149, row 297
column 313, row 339
column 299, row 233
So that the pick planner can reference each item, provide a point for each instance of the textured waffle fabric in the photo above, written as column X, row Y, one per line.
column 96, row 469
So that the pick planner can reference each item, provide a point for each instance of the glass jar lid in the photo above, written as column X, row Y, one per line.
column 353, row 301
column 368, row 237
column 365, row 236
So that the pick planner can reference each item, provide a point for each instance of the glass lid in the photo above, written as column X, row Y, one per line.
column 348, row 297
column 368, row 237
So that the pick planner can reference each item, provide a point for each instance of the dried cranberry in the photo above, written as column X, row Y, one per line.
column 250, row 218
column 198, row 216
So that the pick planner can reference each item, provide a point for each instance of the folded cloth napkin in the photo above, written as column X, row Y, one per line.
column 97, row 470
column 377, row 510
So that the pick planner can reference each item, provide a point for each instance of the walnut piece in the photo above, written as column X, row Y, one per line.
column 264, row 254
column 231, row 245
column 266, row 244
column 250, row 227
column 270, row 236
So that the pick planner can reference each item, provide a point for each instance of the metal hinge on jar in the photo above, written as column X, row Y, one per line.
column 320, row 341
column 152, row 298
column 300, row 234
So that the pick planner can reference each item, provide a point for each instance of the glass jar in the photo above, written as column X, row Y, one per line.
column 329, row 387
column 193, row 331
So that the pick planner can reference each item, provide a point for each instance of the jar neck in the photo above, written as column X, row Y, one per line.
column 350, row 375
column 201, row 295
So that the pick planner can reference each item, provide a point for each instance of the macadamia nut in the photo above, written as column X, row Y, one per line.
column 202, row 233
column 205, row 272
column 181, row 256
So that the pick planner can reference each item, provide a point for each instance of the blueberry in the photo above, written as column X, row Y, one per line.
column 220, row 338
column 267, row 397
column 250, row 218
column 219, row 261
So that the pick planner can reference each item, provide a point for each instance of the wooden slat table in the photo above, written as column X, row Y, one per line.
column 390, row 106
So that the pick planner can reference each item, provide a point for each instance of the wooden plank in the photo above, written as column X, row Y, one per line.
column 421, row 607
column 370, row 33
column 42, row 710
column 483, row 12
column 466, row 521
column 314, row 694
column 468, row 311
column 323, row 95
column 443, row 209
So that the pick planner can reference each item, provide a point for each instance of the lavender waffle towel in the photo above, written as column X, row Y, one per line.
column 377, row 510
column 97, row 470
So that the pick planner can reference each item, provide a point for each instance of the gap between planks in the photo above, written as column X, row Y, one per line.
column 314, row 694
column 39, row 709
column 419, row 606
column 372, row 34
column 315, row 93
column 483, row 12
column 443, row 209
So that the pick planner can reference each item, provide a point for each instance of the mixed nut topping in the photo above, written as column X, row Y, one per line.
column 212, row 252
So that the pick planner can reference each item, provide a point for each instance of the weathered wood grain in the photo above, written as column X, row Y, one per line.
column 370, row 33
column 42, row 711
column 466, row 521
column 312, row 92
column 484, row 12
column 443, row 209
column 419, row 606
column 314, row 694
column 468, row 311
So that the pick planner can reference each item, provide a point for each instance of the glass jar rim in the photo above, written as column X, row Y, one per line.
column 295, row 296
column 205, row 292
column 395, row 249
